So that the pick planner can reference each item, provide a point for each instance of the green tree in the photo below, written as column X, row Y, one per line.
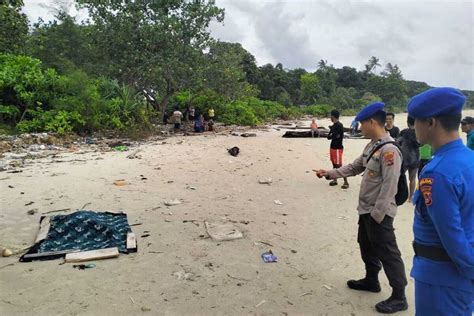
column 13, row 27
column 310, row 88
column 155, row 46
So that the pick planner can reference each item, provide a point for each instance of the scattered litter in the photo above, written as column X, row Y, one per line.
column 183, row 275
column 223, row 232
column 327, row 287
column 32, row 212
column 135, row 155
column 234, row 151
column 264, row 243
column 180, row 142
column 83, row 266
column 7, row 252
column 146, row 309
column 248, row 135
column 191, row 188
column 120, row 183
column 145, row 235
column 306, row 293
column 277, row 202
column 172, row 202
column 142, row 177
column 61, row 210
column 268, row 257
column 260, row 304
column 343, row 217
column 120, row 148
column 29, row 203
column 11, row 186
column 265, row 181
column 131, row 298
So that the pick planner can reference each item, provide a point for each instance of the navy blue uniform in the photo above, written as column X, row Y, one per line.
column 444, row 220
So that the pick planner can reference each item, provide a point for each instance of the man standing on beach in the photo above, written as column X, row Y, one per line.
column 467, row 126
column 381, row 160
column 336, row 135
column 390, row 127
column 443, row 266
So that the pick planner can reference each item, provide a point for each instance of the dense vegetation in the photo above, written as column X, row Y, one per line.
column 133, row 60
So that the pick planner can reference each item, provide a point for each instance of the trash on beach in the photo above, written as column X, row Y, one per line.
column 277, row 202
column 120, row 182
column 83, row 266
column 265, row 181
column 327, row 287
column 223, row 232
column 248, row 135
column 183, row 275
column 7, row 252
column 260, row 304
column 172, row 202
column 234, row 151
column 120, row 148
column 268, row 257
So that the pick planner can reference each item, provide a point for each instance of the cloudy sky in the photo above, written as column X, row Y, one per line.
column 431, row 40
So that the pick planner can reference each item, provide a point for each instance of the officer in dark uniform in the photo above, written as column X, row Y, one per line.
column 377, row 208
column 443, row 266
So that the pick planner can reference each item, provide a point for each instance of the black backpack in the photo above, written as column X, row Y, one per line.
column 402, row 192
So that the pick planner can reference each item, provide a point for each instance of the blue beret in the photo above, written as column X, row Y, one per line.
column 436, row 102
column 369, row 111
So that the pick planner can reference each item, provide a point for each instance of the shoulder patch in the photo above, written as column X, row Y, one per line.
column 426, row 185
column 388, row 158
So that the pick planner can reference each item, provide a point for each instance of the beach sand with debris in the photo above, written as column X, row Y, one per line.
column 178, row 270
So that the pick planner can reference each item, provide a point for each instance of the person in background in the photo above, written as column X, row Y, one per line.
column 354, row 127
column 199, row 124
column 411, row 155
column 467, row 126
column 390, row 127
column 211, row 113
column 314, row 128
column 336, row 135
column 443, row 226
column 210, row 125
column 177, row 117
column 192, row 113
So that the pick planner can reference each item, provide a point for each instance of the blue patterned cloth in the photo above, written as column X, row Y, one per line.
column 86, row 230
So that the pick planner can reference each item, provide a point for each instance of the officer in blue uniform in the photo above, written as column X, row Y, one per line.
column 443, row 266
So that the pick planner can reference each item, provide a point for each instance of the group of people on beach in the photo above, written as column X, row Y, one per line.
column 441, row 175
column 200, row 124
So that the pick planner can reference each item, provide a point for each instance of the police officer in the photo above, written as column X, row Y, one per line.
column 377, row 208
column 443, row 266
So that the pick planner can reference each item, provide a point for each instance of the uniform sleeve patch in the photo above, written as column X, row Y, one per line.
column 388, row 158
column 426, row 185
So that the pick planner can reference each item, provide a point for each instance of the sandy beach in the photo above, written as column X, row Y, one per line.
column 313, row 231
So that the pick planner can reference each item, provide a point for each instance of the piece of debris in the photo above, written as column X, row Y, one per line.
column 306, row 293
column 120, row 182
column 268, row 257
column 32, row 212
column 120, row 148
column 29, row 203
column 145, row 235
column 84, row 266
column 135, row 155
column 172, row 202
column 260, row 304
column 234, row 151
column 265, row 181
column 7, row 252
column 327, row 287
column 248, row 135
column 222, row 232
column 11, row 186
column 142, row 177
column 277, row 202
column 343, row 217
column 61, row 210
column 146, row 309
column 183, row 275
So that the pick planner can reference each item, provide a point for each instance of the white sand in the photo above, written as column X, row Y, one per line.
column 313, row 233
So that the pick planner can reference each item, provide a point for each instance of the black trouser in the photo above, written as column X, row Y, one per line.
column 378, row 247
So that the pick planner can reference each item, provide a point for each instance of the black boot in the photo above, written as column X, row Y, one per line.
column 392, row 305
column 370, row 285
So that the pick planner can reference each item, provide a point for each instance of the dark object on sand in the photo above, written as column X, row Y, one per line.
column 234, row 151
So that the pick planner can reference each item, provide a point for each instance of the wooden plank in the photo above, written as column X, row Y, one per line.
column 92, row 255
column 131, row 242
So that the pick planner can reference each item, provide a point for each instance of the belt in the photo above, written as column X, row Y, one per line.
column 431, row 252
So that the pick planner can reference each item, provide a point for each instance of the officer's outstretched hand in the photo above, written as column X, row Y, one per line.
column 321, row 173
